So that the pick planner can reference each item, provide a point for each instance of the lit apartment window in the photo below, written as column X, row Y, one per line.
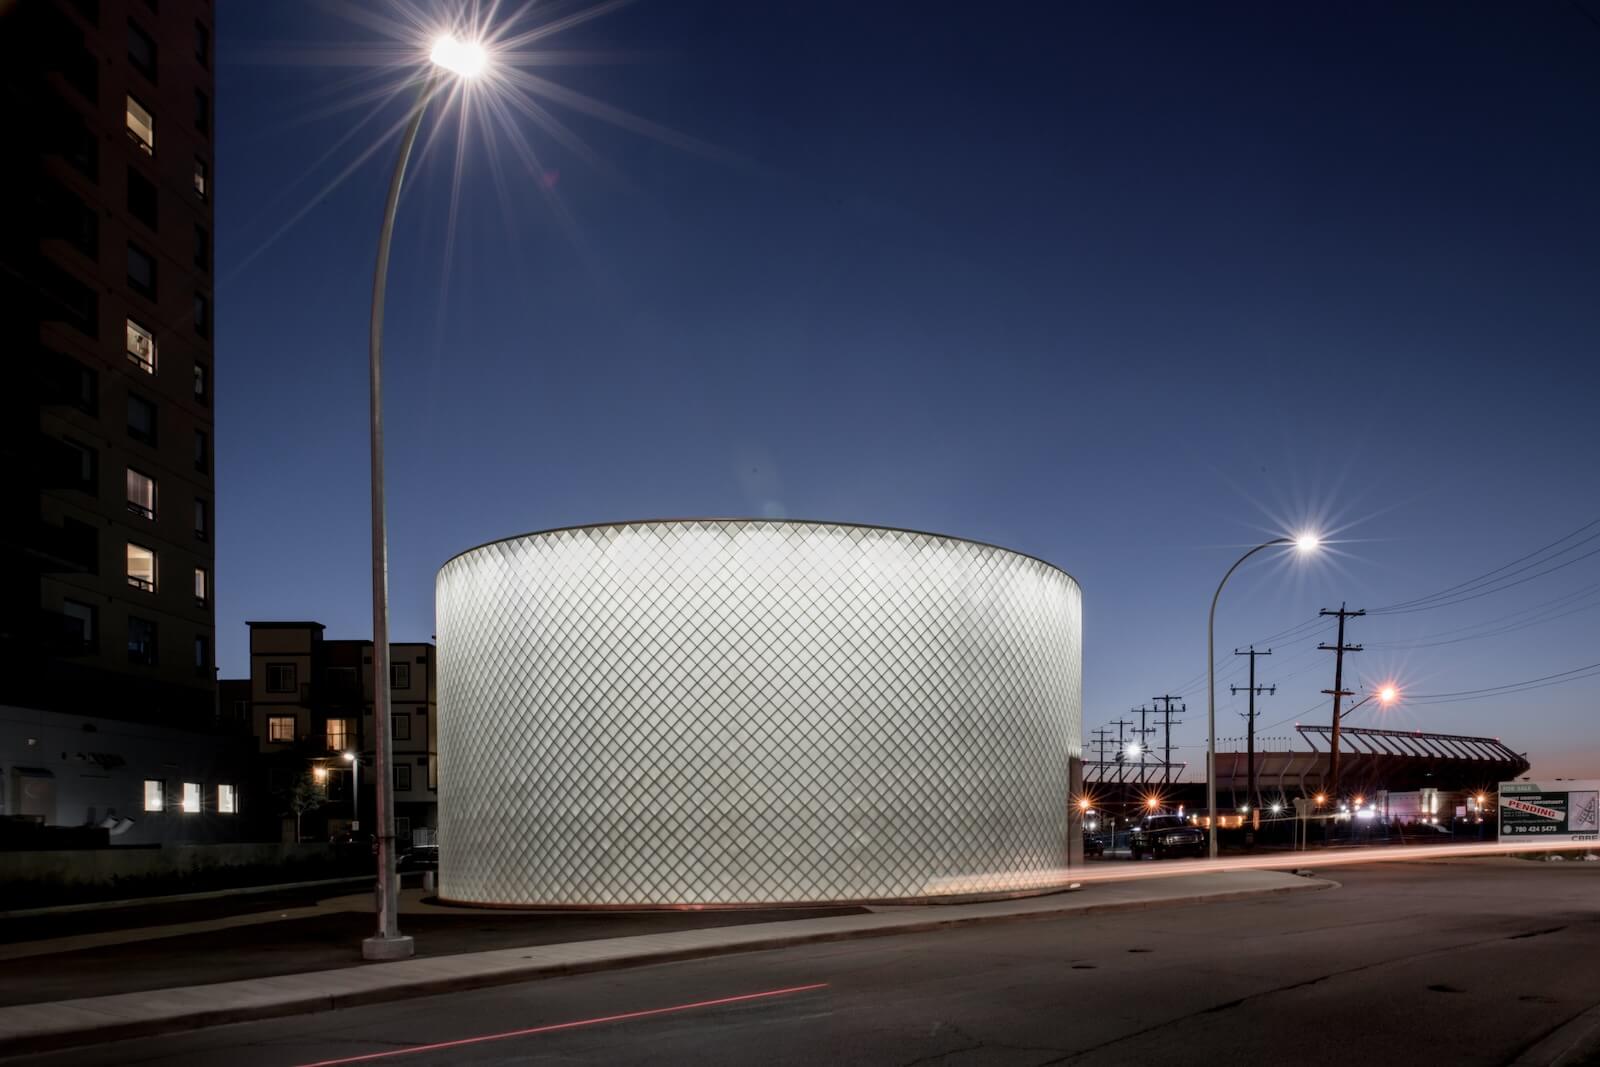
column 281, row 678
column 141, row 567
column 227, row 800
column 141, row 641
column 201, row 586
column 141, row 419
column 202, row 181
column 141, row 126
column 141, row 347
column 141, row 494
column 400, row 676
column 201, row 527
column 80, row 622
column 155, row 794
column 341, row 735
column 280, row 729
column 141, row 51
column 141, row 272
column 402, row 777
column 191, row 797
column 200, row 382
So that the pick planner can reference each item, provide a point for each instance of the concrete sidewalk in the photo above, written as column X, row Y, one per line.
column 42, row 1026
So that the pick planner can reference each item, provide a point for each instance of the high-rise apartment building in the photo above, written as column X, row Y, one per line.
column 108, row 518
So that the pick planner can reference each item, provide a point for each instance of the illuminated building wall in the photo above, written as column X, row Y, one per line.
column 733, row 712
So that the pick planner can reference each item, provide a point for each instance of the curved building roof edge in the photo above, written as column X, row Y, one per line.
column 752, row 518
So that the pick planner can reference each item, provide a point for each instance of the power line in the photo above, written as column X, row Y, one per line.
column 1575, row 674
column 1453, row 593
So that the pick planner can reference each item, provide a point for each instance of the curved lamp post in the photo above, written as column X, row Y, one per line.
column 1305, row 543
column 465, row 60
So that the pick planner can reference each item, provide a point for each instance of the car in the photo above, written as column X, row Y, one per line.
column 419, row 858
column 1093, row 845
column 1166, row 835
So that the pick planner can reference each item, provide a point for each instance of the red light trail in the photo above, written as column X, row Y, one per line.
column 574, row 1025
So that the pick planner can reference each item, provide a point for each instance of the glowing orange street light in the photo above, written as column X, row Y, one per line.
column 1321, row 798
column 1152, row 803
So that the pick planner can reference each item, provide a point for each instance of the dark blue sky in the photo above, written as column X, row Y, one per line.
column 1128, row 287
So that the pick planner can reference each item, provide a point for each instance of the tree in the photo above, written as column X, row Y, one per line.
column 307, row 794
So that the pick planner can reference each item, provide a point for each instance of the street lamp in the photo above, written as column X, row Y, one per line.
column 355, row 790
column 465, row 59
column 1304, row 543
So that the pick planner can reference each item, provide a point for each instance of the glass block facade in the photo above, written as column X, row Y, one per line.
column 752, row 712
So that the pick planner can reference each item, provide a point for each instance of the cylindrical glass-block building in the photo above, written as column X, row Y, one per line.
column 724, row 712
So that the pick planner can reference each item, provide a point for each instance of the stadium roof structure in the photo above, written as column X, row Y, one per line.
column 1371, row 759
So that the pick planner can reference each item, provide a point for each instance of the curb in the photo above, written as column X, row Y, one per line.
column 1573, row 1042
column 178, row 898
column 95, row 1026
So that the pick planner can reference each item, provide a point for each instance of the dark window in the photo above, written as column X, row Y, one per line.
column 82, row 623
column 70, row 301
column 200, row 451
column 402, row 726
column 141, row 198
column 202, row 315
column 200, row 391
column 281, row 678
column 141, row 51
column 84, row 473
column 81, row 386
column 141, row 272
column 202, row 247
column 202, row 43
column 400, row 676
column 75, row 143
column 402, row 777
column 202, row 653
column 141, row 419
column 80, row 543
column 202, row 111
column 141, row 641
column 202, row 528
column 68, row 218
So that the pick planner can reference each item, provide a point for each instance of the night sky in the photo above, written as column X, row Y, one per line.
column 1130, row 287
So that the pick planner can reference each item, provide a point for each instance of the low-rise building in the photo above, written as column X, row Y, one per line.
column 309, row 702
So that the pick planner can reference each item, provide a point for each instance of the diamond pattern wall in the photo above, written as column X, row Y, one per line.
column 733, row 712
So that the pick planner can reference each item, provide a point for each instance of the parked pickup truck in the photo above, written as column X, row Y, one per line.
column 1166, row 835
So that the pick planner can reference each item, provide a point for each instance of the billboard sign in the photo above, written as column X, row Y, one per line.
column 1550, row 811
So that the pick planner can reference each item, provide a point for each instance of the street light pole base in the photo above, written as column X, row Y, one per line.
column 388, row 948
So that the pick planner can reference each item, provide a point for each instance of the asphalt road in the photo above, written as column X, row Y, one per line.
column 1465, row 962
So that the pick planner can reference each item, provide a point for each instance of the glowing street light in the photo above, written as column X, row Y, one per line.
column 355, row 789
column 464, row 59
column 1305, row 543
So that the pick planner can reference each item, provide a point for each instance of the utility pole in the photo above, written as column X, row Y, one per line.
column 1250, row 744
column 1166, row 721
column 1338, row 692
column 1142, row 733
column 1122, row 750
column 1101, row 739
